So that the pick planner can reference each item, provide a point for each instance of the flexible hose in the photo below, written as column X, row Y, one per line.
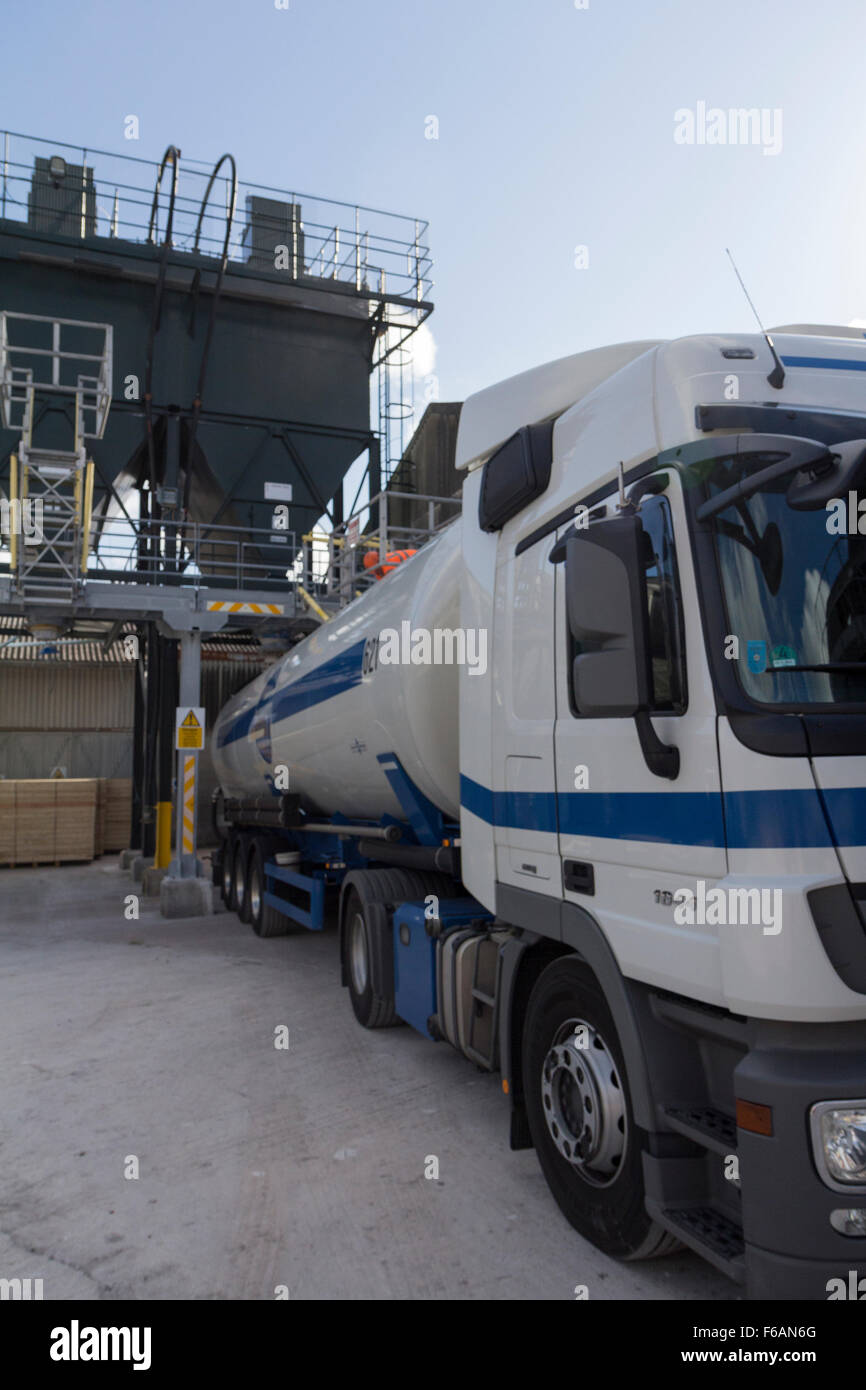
column 215, row 297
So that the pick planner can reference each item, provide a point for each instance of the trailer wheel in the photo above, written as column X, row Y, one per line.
column 264, row 919
column 366, row 942
column 364, row 916
column 580, row 1114
column 227, row 868
column 240, row 860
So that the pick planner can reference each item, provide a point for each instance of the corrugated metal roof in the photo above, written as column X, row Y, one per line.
column 65, row 653
column 17, row 646
column 90, row 651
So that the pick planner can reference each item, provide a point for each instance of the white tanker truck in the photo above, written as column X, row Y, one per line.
column 585, row 783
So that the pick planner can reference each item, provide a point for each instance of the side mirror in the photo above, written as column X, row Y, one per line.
column 608, row 616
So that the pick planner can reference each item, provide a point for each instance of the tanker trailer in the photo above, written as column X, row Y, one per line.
column 320, row 716
column 338, row 770
column 619, row 857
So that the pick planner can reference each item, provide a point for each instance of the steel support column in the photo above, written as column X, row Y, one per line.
column 167, row 707
column 185, row 863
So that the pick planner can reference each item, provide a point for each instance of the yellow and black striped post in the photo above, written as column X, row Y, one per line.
column 188, row 771
column 189, row 742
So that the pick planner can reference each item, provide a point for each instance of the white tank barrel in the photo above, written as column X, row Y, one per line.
column 336, row 701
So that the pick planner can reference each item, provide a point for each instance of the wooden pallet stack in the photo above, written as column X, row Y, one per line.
column 7, row 822
column 62, row 820
column 75, row 819
column 118, row 814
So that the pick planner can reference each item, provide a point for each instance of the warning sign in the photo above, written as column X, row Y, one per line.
column 189, row 727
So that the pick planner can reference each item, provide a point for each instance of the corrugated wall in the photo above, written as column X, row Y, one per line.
column 44, row 696
column 31, row 754
column 80, row 717
column 428, row 467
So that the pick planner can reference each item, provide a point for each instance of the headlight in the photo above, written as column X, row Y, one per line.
column 839, row 1142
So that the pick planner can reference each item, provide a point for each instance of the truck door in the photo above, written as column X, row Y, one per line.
column 524, row 712
column 629, row 839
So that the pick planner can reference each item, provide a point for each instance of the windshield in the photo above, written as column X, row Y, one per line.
column 794, row 588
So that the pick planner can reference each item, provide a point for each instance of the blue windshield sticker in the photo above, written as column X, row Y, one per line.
column 756, row 657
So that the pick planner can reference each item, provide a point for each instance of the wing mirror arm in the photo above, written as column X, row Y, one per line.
column 662, row 759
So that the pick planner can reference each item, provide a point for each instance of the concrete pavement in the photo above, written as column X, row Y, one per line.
column 148, row 1046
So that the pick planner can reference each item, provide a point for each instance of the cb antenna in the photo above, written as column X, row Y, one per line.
column 777, row 375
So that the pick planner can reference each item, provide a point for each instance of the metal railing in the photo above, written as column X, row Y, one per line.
column 43, row 355
column 75, row 191
column 332, row 563
column 193, row 554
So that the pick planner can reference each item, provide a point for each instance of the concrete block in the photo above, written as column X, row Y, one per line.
column 127, row 856
column 138, row 866
column 186, row 897
column 152, row 880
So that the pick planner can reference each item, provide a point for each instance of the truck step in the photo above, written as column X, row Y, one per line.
column 710, row 1128
column 708, row 1231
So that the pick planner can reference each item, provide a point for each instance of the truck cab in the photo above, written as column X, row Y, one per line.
column 663, row 786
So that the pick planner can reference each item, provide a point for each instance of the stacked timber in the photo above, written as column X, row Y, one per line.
column 7, row 822
column 74, row 819
column 118, row 814
column 47, row 821
column 65, row 819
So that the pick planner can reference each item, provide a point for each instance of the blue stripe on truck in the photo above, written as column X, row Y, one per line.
column 331, row 678
column 833, row 364
column 694, row 818
column 773, row 819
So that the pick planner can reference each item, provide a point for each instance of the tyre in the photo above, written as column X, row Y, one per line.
column 227, row 867
column 264, row 919
column 362, row 919
column 580, row 1114
column 240, row 896
column 367, row 942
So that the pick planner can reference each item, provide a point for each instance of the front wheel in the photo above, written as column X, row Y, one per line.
column 580, row 1114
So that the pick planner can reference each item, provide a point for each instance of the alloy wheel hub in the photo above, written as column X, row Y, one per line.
column 584, row 1105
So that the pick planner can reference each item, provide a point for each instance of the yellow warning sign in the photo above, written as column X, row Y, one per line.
column 189, row 729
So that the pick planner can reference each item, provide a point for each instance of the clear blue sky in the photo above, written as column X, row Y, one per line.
column 556, row 129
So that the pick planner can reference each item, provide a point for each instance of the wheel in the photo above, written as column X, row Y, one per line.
column 240, row 896
column 362, row 919
column 367, row 929
column 580, row 1114
column 264, row 920
column 227, row 881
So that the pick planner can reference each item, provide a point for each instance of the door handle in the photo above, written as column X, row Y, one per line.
column 578, row 877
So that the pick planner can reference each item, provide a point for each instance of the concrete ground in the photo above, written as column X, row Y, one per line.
column 153, row 1040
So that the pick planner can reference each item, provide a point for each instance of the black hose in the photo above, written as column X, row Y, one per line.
column 172, row 154
column 215, row 297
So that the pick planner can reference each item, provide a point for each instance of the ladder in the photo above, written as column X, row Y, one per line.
column 55, row 499
column 48, row 513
